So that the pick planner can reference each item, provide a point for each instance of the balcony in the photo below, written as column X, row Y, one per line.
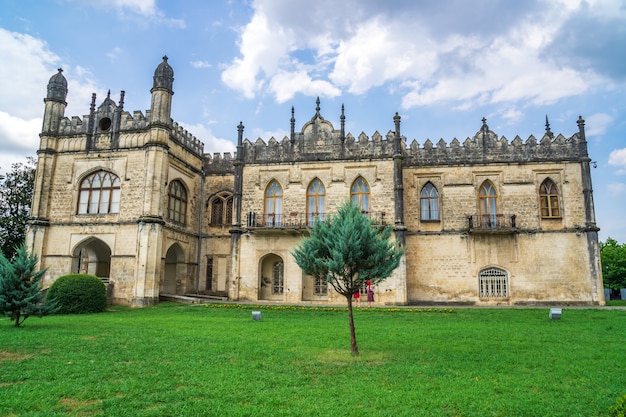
column 491, row 223
column 297, row 220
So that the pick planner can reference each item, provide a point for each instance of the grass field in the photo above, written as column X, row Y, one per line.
column 180, row 360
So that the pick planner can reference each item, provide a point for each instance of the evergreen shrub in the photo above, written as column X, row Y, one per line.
column 78, row 294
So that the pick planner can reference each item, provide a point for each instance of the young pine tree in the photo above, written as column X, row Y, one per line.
column 347, row 250
column 21, row 294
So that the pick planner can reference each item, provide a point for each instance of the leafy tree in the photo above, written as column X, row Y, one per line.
column 613, row 256
column 347, row 250
column 20, row 289
column 16, row 194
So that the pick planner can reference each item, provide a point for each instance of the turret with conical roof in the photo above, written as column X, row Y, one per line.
column 55, row 103
column 161, row 106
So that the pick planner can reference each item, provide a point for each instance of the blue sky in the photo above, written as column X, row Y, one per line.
column 442, row 65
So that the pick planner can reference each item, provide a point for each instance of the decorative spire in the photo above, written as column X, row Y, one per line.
column 581, row 128
column 317, row 106
column 122, row 94
column 343, row 123
column 240, row 134
column 548, row 131
column 293, row 126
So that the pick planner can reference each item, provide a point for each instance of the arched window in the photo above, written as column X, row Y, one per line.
column 273, row 204
column 550, row 201
column 488, row 205
column 177, row 202
column 315, row 196
column 360, row 194
column 99, row 193
column 222, row 209
column 429, row 203
column 493, row 283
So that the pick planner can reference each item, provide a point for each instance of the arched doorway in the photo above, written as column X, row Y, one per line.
column 175, row 271
column 92, row 256
column 271, row 278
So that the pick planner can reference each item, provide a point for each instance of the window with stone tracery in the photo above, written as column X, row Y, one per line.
column 550, row 199
column 222, row 209
column 177, row 202
column 429, row 203
column 360, row 194
column 99, row 193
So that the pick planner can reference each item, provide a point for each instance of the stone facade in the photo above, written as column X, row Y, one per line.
column 135, row 200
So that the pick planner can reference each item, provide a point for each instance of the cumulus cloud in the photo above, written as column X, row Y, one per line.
column 211, row 142
column 373, row 44
column 618, row 158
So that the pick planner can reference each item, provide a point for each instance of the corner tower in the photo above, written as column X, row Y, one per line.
column 161, row 106
column 55, row 103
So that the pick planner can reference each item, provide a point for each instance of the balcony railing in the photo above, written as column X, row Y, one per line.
column 297, row 220
column 491, row 223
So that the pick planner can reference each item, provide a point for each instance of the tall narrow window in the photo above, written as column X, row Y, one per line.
column 273, row 204
column 209, row 273
column 315, row 195
column 99, row 193
column 177, row 202
column 222, row 209
column 488, row 199
column 360, row 194
column 493, row 283
column 549, row 197
column 278, row 278
column 429, row 203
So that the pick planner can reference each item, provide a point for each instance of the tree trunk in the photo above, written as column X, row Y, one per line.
column 353, row 345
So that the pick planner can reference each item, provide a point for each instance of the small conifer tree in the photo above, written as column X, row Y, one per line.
column 21, row 294
column 347, row 250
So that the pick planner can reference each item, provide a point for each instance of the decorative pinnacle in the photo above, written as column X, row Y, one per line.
column 548, row 132
column 317, row 106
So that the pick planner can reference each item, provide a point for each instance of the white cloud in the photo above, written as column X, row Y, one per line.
column 372, row 46
column 18, row 134
column 211, row 142
column 200, row 64
column 285, row 85
column 618, row 158
column 596, row 124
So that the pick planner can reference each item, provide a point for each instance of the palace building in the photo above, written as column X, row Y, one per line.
column 134, row 199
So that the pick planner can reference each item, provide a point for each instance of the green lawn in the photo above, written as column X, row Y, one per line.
column 175, row 360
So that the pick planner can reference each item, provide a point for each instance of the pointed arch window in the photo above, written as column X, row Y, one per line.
column 549, row 199
column 429, row 203
column 222, row 209
column 488, row 205
column 273, row 204
column 99, row 193
column 315, row 196
column 177, row 202
column 360, row 194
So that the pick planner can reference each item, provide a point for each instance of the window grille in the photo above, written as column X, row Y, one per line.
column 493, row 283
column 278, row 280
